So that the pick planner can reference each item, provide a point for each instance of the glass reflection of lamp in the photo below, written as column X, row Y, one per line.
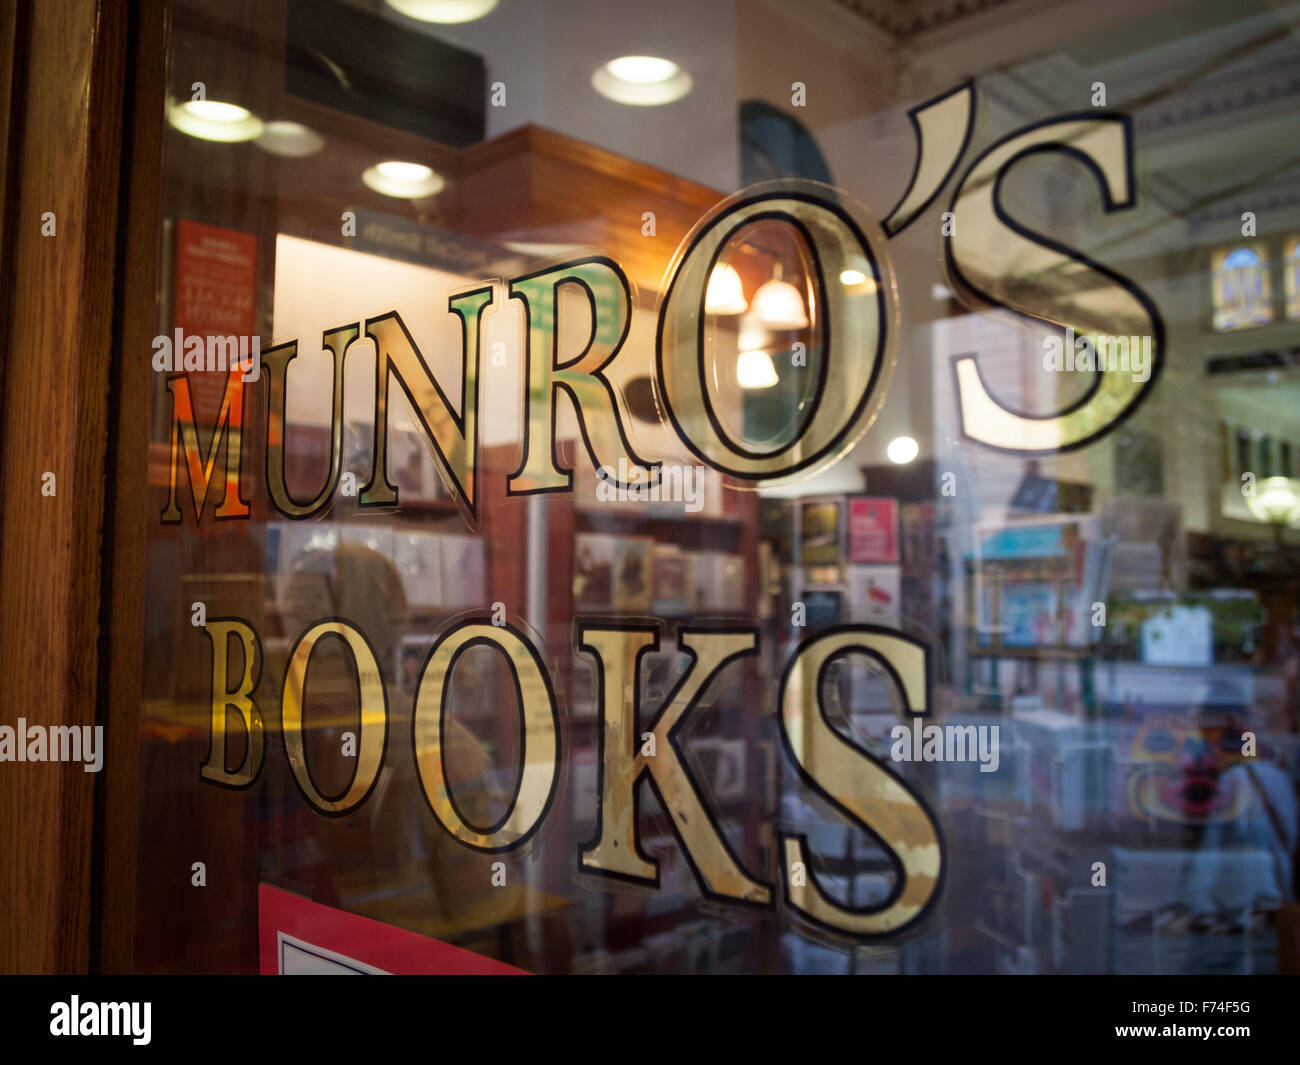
column 292, row 140
column 856, row 279
column 755, row 369
column 1276, row 502
column 726, row 293
column 752, row 335
column 754, row 366
column 408, row 181
column 779, row 305
column 215, row 120
column 447, row 12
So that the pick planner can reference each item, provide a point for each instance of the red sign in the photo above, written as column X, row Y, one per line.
column 216, row 294
column 300, row 937
column 873, row 529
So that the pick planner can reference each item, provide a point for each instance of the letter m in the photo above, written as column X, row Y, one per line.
column 223, row 352
column 228, row 428
column 117, row 1016
column 65, row 743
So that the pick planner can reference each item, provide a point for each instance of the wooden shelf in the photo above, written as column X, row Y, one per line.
column 688, row 532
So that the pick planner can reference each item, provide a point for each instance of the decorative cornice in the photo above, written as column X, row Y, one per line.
column 902, row 19
column 1273, row 85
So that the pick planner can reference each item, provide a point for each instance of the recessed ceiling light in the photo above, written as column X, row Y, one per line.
column 643, row 69
column 902, row 450
column 446, row 12
column 407, row 181
column 641, row 80
column 291, row 139
column 214, row 120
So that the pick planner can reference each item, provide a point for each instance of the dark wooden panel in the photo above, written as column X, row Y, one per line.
column 361, row 64
column 56, row 420
column 117, row 817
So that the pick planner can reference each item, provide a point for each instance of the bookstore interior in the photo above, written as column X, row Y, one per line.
column 715, row 488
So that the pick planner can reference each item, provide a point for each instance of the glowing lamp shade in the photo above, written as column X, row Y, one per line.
column 726, row 294
column 858, row 280
column 1276, row 500
column 752, row 335
column 779, row 305
column 902, row 450
column 214, row 120
column 754, row 369
column 641, row 80
column 446, row 12
column 407, row 181
column 290, row 139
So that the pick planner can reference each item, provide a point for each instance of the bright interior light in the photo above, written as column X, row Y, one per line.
column 779, row 305
column 217, row 111
column 726, row 293
column 1276, row 500
column 902, row 450
column 446, row 12
column 215, row 120
column 290, row 139
column 754, row 369
column 856, row 279
column 641, row 80
column 405, row 171
column 752, row 335
column 408, row 181
column 642, row 69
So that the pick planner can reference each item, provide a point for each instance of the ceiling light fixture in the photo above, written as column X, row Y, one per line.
column 641, row 80
column 752, row 335
column 902, row 450
column 1276, row 501
column 755, row 369
column 446, row 12
column 726, row 293
column 292, row 140
column 779, row 305
column 407, row 181
column 213, row 120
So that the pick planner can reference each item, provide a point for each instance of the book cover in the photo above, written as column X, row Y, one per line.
column 670, row 578
column 633, row 592
column 593, row 563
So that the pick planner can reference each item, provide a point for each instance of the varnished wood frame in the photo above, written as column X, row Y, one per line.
column 61, row 365
column 127, row 494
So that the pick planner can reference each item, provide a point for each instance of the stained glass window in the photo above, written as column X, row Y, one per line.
column 1243, row 292
column 1293, row 278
